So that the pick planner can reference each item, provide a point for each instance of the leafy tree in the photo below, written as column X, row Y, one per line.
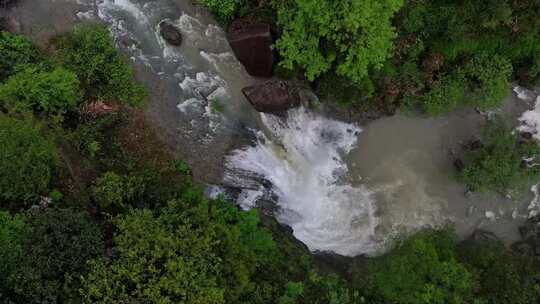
column 350, row 36
column 27, row 160
column 54, row 92
column 53, row 247
column 15, row 50
column 498, row 164
column 423, row 269
column 196, row 253
column 104, row 74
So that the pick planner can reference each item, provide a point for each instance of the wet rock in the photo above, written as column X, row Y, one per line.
column 483, row 236
column 459, row 165
column 526, row 135
column 523, row 248
column 267, row 207
column 270, row 97
column 252, row 45
column 244, row 179
column 170, row 33
column 530, row 235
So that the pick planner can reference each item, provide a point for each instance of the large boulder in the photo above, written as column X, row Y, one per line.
column 271, row 97
column 170, row 33
column 252, row 45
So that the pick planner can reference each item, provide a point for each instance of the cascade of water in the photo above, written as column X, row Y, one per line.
column 302, row 158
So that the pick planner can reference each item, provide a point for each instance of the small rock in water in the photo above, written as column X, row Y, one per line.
column 170, row 33
column 490, row 215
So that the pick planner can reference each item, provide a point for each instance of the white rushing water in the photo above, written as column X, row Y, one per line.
column 135, row 24
column 302, row 157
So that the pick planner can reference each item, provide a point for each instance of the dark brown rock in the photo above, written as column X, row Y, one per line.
column 252, row 45
column 170, row 33
column 270, row 97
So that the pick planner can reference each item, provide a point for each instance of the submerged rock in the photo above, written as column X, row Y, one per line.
column 271, row 97
column 252, row 45
column 170, row 33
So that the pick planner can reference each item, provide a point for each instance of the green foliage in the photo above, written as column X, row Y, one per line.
column 27, row 160
column 497, row 165
column 423, row 269
column 352, row 37
column 56, row 246
column 204, row 253
column 216, row 105
column 54, row 92
column 104, row 74
column 489, row 80
column 182, row 167
column 114, row 192
column 293, row 291
column 13, row 230
column 224, row 10
column 445, row 97
column 501, row 276
column 93, row 138
column 14, row 51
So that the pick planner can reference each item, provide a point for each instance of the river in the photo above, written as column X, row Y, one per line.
column 342, row 187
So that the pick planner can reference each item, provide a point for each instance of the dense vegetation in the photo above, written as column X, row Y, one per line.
column 503, row 162
column 93, row 209
column 430, row 55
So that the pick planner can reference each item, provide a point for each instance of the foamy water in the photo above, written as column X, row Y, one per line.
column 302, row 157
column 137, row 22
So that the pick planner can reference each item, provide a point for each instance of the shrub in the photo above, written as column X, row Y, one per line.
column 445, row 97
column 114, row 192
column 224, row 10
column 27, row 160
column 55, row 92
column 353, row 37
column 15, row 50
column 104, row 74
column 56, row 250
column 423, row 269
column 489, row 80
column 498, row 164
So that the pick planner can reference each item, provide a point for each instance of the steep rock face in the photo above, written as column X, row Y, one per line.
column 271, row 97
column 252, row 45
column 170, row 33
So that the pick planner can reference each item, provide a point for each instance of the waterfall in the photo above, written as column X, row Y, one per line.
column 301, row 156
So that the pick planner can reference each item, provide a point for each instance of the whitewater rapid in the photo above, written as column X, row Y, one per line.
column 302, row 156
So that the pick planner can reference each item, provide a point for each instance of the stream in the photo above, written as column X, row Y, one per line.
column 341, row 187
